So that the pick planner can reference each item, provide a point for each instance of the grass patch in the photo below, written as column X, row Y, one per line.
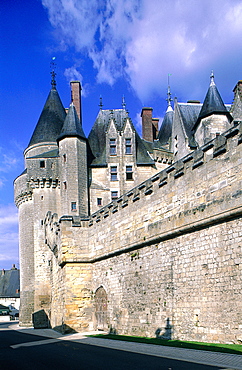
column 215, row 347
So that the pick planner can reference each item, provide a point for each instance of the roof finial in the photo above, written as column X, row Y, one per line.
column 123, row 102
column 53, row 73
column 169, row 99
column 101, row 102
column 212, row 79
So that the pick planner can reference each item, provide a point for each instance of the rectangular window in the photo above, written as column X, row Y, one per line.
column 114, row 173
column 128, row 147
column 114, row 195
column 42, row 164
column 112, row 146
column 129, row 173
column 99, row 201
column 64, row 158
column 73, row 206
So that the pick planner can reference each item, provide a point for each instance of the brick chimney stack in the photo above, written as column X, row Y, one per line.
column 76, row 97
column 149, row 125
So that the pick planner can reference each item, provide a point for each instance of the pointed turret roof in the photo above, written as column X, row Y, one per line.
column 213, row 103
column 166, row 126
column 72, row 126
column 51, row 120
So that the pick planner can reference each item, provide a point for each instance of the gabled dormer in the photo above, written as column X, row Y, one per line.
column 113, row 147
column 128, row 140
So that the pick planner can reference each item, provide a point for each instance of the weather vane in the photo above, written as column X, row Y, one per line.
column 169, row 99
column 212, row 79
column 53, row 73
column 123, row 102
column 101, row 102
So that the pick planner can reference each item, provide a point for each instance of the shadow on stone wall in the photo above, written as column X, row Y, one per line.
column 64, row 329
column 168, row 331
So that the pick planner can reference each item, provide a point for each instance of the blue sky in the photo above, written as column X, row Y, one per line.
column 115, row 48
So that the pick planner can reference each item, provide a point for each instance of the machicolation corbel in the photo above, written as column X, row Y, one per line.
column 198, row 158
column 220, row 145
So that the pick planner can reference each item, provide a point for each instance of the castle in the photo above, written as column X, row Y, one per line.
column 138, row 236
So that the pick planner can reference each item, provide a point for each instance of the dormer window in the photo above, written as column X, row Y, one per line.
column 112, row 147
column 128, row 147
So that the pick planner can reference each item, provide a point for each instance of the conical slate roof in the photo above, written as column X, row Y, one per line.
column 166, row 127
column 213, row 103
column 51, row 120
column 72, row 126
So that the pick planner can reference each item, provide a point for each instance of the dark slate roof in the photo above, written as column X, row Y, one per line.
column 51, row 154
column 213, row 104
column 72, row 126
column 166, row 128
column 142, row 154
column 9, row 283
column 189, row 113
column 51, row 120
column 97, row 137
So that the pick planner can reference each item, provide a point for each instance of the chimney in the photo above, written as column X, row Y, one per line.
column 76, row 97
column 149, row 125
column 147, row 131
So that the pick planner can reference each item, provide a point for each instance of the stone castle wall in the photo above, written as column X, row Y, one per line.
column 169, row 251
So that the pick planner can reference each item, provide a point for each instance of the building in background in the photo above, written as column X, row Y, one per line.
column 10, row 290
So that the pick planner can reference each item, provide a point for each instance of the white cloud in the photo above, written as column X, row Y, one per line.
column 8, row 235
column 144, row 40
column 8, row 161
column 73, row 74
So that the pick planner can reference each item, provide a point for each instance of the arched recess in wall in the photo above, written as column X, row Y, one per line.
column 101, row 301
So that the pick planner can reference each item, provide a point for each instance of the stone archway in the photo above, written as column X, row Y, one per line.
column 101, row 301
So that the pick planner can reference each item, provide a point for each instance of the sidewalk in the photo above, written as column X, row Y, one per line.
column 224, row 360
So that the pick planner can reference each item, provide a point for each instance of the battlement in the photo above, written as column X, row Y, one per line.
column 209, row 152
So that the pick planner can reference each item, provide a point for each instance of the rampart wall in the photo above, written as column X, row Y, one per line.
column 168, row 253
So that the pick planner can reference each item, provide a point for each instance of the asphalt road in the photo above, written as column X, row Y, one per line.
column 49, row 354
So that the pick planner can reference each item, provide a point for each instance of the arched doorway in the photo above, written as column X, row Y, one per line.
column 101, row 309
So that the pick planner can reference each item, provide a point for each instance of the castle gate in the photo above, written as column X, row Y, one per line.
column 101, row 309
